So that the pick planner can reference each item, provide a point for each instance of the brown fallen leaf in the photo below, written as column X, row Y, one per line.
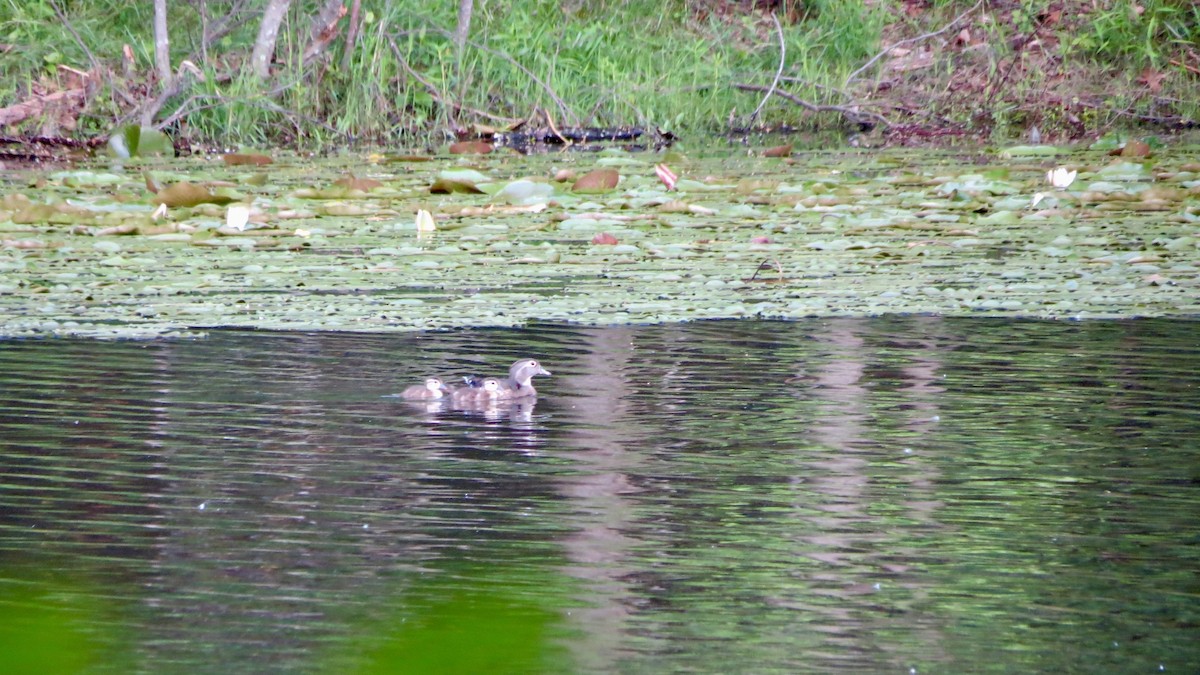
column 1136, row 149
column 778, row 151
column 445, row 186
column 24, row 243
column 187, row 194
column 352, row 182
column 600, row 180
column 123, row 228
column 470, row 148
column 238, row 159
column 1153, row 79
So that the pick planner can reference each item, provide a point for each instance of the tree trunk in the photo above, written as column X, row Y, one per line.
column 162, row 44
column 325, row 27
column 351, row 34
column 464, row 23
column 268, row 32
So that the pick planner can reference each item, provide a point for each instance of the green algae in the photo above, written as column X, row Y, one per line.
column 845, row 234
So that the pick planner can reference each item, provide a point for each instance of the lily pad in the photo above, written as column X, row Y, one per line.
column 600, row 180
column 188, row 194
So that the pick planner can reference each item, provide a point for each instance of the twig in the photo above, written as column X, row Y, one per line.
column 767, row 263
column 1185, row 66
column 848, row 111
column 778, row 72
column 433, row 91
column 67, row 22
column 911, row 40
column 566, row 111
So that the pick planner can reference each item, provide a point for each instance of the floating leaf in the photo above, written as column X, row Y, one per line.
column 237, row 159
column 188, row 194
column 352, row 182
column 1135, row 149
column 600, row 180
column 525, row 192
column 445, row 186
column 470, row 148
column 1030, row 151
column 604, row 239
column 137, row 141
column 778, row 151
column 665, row 175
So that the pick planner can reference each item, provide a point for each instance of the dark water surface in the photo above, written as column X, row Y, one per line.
column 854, row 495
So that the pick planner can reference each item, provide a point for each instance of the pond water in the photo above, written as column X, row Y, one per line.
column 862, row 495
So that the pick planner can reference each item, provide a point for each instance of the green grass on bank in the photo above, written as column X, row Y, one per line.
column 667, row 63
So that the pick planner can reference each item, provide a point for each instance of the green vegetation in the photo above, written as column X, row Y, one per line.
column 997, row 69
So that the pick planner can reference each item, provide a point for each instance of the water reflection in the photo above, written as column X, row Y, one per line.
column 832, row 495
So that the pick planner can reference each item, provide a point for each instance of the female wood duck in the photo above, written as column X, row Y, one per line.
column 519, row 383
column 487, row 391
column 433, row 388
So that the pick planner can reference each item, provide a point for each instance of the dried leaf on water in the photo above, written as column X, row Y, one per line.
column 600, row 180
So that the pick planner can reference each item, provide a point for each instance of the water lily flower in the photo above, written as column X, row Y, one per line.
column 425, row 222
column 1061, row 177
column 160, row 212
column 237, row 216
column 667, row 176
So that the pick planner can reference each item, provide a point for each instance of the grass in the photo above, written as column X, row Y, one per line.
column 669, row 64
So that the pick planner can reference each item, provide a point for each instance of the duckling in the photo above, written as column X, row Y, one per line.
column 520, row 375
column 487, row 391
column 433, row 388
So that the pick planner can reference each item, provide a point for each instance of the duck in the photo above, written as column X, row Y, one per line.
column 432, row 388
column 518, row 384
column 485, row 391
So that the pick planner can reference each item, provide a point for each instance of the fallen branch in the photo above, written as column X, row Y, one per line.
column 856, row 116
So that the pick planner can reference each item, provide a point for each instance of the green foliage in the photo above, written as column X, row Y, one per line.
column 672, row 64
column 599, row 63
column 1120, row 33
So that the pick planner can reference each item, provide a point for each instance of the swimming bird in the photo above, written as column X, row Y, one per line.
column 487, row 391
column 433, row 388
column 520, row 375
column 517, row 384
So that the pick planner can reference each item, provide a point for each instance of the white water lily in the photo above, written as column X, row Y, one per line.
column 1061, row 177
column 236, row 217
column 1036, row 199
column 425, row 222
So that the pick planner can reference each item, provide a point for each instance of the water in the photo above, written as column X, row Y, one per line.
column 853, row 495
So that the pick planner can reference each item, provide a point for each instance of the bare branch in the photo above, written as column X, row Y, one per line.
column 778, row 72
column 913, row 40
column 847, row 111
column 82, row 45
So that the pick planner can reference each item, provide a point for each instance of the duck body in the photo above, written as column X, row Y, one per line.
column 488, row 390
column 432, row 388
column 519, row 383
